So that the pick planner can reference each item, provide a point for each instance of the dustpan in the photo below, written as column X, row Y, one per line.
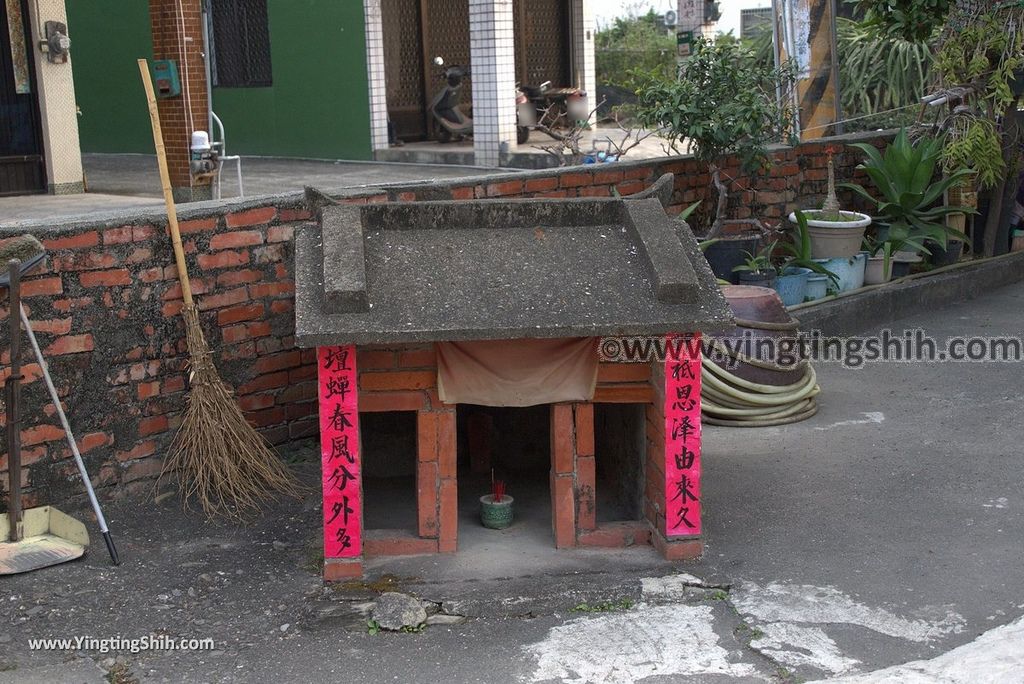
column 47, row 537
column 37, row 537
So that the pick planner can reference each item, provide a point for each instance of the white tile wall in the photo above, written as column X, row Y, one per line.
column 375, row 75
column 584, row 27
column 492, row 60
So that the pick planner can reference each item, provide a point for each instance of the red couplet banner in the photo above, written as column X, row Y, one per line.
column 339, row 452
column 682, row 436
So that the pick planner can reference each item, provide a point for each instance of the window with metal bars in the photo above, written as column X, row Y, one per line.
column 240, row 44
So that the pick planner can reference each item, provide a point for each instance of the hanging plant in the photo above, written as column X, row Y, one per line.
column 980, row 59
column 984, row 56
column 973, row 142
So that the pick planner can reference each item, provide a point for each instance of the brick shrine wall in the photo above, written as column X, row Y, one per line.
column 105, row 308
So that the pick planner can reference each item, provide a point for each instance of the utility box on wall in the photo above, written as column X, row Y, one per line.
column 165, row 78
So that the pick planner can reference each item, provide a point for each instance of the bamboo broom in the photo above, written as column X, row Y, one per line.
column 219, row 458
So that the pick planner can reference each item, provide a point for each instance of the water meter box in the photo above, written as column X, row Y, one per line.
column 165, row 78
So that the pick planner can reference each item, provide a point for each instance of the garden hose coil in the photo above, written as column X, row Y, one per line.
column 730, row 400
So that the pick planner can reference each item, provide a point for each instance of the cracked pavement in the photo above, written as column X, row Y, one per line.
column 837, row 547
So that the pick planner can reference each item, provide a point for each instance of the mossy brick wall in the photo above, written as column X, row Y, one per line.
column 105, row 308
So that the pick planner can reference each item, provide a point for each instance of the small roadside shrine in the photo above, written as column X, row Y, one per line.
column 457, row 339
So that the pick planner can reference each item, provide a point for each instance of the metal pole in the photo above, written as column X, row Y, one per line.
column 70, row 437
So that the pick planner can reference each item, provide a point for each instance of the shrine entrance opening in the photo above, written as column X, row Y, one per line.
column 514, row 444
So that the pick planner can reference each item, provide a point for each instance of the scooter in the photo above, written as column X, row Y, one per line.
column 453, row 124
column 549, row 106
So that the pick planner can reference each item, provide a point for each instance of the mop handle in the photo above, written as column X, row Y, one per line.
column 64, row 422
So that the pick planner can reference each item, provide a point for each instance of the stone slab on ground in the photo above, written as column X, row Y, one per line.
column 394, row 611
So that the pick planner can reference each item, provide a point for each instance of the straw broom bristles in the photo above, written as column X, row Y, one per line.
column 219, row 458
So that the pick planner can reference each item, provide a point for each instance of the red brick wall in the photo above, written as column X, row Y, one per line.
column 105, row 308
column 178, row 35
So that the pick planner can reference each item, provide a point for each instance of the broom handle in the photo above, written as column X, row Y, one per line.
column 165, row 180
column 13, row 389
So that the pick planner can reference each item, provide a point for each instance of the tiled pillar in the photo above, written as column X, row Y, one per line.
column 57, row 107
column 493, row 61
column 375, row 75
column 436, row 484
column 339, row 455
column 673, row 490
column 562, row 482
column 584, row 27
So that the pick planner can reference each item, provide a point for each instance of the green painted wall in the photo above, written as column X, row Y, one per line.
column 106, row 39
column 318, row 105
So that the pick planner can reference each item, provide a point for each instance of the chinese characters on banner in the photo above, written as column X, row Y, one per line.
column 682, row 436
column 339, row 452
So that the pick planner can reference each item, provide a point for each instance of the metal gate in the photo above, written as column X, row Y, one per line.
column 542, row 42
column 403, row 67
column 416, row 31
column 21, row 149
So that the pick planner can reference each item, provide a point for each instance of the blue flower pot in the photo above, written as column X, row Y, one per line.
column 817, row 287
column 849, row 270
column 791, row 285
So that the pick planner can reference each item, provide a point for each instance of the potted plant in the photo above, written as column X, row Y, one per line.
column 910, row 209
column 901, row 243
column 834, row 233
column 801, row 278
column 496, row 507
column 724, row 103
column 757, row 269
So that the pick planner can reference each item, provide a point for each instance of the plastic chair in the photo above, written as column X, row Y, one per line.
column 221, row 147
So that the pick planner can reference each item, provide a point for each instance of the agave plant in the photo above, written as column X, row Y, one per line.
column 910, row 202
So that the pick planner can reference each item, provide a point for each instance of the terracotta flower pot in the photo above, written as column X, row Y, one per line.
column 875, row 271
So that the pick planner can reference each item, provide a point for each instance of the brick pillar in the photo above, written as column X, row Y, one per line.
column 586, row 473
column 673, row 489
column 448, row 506
column 562, row 482
column 493, row 61
column 436, row 484
column 339, row 455
column 178, row 35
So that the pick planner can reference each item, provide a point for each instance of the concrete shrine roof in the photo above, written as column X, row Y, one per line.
column 501, row 269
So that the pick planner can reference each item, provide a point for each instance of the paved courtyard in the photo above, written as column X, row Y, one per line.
column 883, row 533
column 125, row 181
